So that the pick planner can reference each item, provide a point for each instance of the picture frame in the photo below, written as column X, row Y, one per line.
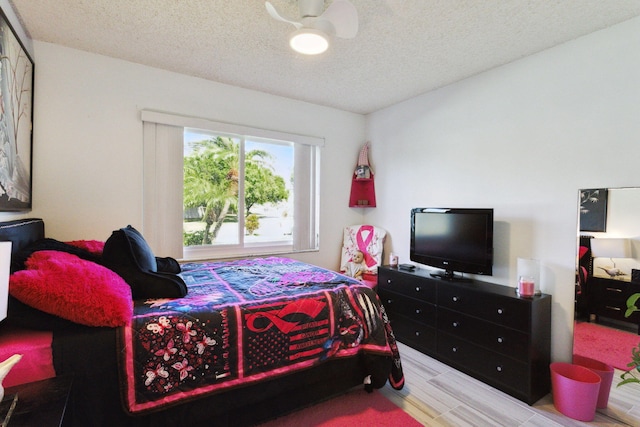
column 593, row 209
column 16, row 120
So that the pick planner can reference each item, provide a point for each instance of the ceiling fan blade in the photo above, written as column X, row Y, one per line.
column 344, row 17
column 276, row 15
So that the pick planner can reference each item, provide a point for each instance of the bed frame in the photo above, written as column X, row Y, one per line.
column 90, row 356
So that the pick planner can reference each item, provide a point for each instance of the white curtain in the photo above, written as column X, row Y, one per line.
column 163, row 188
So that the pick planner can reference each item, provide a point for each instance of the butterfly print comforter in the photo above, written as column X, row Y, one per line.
column 249, row 320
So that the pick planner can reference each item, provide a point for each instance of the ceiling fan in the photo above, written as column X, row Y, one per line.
column 314, row 27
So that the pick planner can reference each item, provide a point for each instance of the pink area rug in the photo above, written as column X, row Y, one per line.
column 608, row 345
column 354, row 409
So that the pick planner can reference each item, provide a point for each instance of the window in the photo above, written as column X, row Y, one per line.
column 242, row 191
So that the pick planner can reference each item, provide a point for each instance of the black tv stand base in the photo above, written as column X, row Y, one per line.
column 451, row 277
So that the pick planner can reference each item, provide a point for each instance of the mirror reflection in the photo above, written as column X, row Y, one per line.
column 607, row 274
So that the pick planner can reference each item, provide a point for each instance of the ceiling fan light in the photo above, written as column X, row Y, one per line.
column 309, row 41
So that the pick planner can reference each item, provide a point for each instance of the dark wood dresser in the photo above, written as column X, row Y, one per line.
column 482, row 329
column 608, row 298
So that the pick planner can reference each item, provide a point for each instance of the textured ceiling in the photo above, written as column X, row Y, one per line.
column 403, row 47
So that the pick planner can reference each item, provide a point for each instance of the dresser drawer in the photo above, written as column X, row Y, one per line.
column 500, row 339
column 411, row 308
column 493, row 367
column 609, row 298
column 410, row 285
column 612, row 311
column 511, row 312
column 614, row 287
column 414, row 334
column 615, row 308
column 614, row 300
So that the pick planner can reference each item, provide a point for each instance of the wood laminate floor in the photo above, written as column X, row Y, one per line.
column 438, row 395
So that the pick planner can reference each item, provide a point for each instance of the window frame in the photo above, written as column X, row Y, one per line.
column 160, row 156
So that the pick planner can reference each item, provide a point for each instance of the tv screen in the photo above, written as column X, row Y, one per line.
column 455, row 240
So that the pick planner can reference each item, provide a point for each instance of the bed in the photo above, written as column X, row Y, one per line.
column 251, row 340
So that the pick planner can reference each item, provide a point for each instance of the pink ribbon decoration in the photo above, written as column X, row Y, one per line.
column 362, row 244
column 310, row 307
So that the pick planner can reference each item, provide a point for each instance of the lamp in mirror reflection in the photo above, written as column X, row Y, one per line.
column 611, row 248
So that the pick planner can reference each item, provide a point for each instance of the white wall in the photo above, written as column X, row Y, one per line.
column 87, row 162
column 522, row 139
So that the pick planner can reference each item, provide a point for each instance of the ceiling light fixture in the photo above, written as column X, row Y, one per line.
column 309, row 41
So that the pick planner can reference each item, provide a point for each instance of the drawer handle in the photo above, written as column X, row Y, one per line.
column 614, row 308
column 455, row 299
column 389, row 281
column 418, row 288
column 418, row 311
column 500, row 340
column 500, row 311
column 615, row 290
column 499, row 368
column 454, row 349
column 417, row 333
column 389, row 301
column 455, row 324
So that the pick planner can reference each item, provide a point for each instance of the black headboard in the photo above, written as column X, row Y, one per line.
column 21, row 232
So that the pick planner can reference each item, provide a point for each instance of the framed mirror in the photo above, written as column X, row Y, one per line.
column 608, row 253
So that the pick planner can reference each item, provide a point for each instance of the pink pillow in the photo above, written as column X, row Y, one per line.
column 67, row 286
column 94, row 246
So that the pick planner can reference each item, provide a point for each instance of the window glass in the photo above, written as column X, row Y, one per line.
column 238, row 191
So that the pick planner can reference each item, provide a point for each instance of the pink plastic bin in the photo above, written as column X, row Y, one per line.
column 575, row 390
column 603, row 370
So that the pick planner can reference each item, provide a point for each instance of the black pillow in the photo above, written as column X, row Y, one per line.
column 141, row 250
column 127, row 253
column 168, row 265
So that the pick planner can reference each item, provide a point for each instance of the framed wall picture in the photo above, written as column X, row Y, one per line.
column 16, row 120
column 593, row 209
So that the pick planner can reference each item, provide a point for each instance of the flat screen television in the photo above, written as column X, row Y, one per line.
column 457, row 240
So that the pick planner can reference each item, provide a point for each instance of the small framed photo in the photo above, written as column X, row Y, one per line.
column 593, row 209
